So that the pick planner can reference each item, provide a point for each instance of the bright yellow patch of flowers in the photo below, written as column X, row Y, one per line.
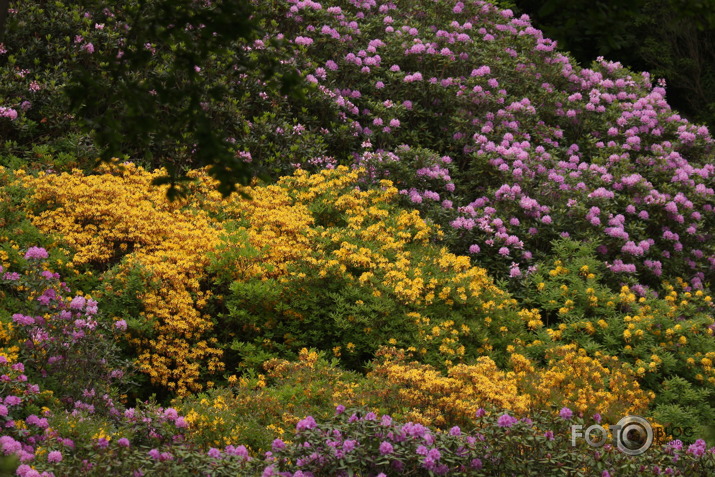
column 570, row 378
column 105, row 217
column 117, row 218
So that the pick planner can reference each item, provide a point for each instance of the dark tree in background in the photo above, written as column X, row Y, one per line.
column 172, row 105
column 672, row 39
column 4, row 5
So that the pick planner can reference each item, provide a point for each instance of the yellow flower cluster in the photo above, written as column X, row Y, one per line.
column 8, row 348
column 570, row 378
column 435, row 398
column 116, row 220
column 585, row 384
column 277, row 225
column 105, row 217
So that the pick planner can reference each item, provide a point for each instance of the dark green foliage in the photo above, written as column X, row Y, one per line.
column 573, row 299
column 673, row 39
column 172, row 105
column 163, row 83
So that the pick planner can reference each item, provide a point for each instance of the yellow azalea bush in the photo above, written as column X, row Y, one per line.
column 117, row 214
column 268, row 269
column 570, row 378
column 665, row 341
column 369, row 277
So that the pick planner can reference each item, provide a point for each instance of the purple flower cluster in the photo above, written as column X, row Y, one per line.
column 603, row 158
column 9, row 113
column 372, row 445
column 58, row 333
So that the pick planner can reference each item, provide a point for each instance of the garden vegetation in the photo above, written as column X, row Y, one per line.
column 453, row 245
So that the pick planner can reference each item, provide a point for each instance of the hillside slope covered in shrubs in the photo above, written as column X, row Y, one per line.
column 459, row 234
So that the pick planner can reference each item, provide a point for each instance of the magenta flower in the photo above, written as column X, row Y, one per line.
column 54, row 456
column 565, row 413
column 386, row 448
column 303, row 40
column 12, row 400
column 697, row 449
column 78, row 302
column 240, row 451
column 22, row 319
column 505, row 420
column 676, row 444
column 306, row 424
column 36, row 253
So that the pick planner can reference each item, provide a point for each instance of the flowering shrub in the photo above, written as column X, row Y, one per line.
column 351, row 248
column 655, row 338
column 116, row 215
column 63, row 342
column 370, row 278
column 569, row 378
column 530, row 145
column 60, row 387
column 356, row 441
column 363, row 442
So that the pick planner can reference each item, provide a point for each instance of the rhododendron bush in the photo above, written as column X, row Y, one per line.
column 521, row 145
column 458, row 233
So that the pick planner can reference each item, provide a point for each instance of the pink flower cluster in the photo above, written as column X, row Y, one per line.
column 548, row 176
